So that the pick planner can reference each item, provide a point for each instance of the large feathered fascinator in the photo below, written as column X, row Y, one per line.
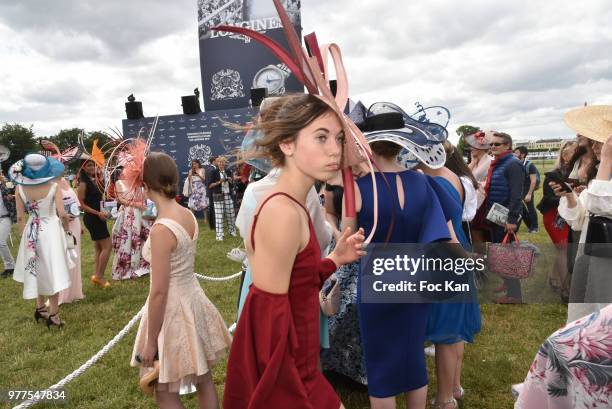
column 100, row 156
column 126, row 164
column 310, row 67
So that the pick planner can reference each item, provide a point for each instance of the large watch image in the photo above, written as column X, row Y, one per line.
column 272, row 78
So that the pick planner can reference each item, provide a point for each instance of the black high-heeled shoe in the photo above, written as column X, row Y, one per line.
column 38, row 314
column 50, row 322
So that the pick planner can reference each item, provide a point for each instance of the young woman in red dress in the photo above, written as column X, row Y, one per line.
column 275, row 352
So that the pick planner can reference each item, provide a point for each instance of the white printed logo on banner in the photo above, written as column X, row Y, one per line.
column 259, row 15
column 199, row 152
column 226, row 84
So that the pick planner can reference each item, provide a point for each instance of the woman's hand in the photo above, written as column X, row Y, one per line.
column 349, row 247
column 578, row 189
column 558, row 189
column 147, row 357
column 559, row 192
column 103, row 216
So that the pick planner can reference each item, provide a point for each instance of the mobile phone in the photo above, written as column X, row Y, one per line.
column 556, row 177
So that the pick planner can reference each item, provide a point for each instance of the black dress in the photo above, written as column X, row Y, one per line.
column 98, row 230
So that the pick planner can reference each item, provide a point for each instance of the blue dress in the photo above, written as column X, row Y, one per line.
column 452, row 323
column 393, row 335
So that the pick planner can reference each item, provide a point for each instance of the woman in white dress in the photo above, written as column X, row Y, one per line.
column 591, row 289
column 42, row 262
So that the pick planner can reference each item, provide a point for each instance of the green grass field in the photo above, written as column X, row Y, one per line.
column 32, row 357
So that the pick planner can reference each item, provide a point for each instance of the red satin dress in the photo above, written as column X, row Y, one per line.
column 275, row 351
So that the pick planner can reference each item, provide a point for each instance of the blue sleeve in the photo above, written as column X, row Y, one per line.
column 447, row 202
column 433, row 226
column 515, row 174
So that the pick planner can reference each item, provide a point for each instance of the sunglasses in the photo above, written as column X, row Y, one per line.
column 496, row 144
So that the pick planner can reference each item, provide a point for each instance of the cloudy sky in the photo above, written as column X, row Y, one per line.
column 514, row 65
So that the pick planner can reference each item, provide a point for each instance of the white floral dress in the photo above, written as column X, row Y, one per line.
column 42, row 262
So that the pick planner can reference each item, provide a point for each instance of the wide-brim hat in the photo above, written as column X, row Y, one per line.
column 35, row 169
column 594, row 121
column 417, row 142
column 479, row 140
column 423, row 131
column 433, row 156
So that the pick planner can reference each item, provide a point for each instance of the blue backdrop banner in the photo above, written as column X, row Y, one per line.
column 187, row 137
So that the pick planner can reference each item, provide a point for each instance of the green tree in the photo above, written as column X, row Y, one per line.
column 66, row 138
column 19, row 139
column 102, row 138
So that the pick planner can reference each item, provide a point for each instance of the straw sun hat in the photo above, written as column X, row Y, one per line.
column 594, row 121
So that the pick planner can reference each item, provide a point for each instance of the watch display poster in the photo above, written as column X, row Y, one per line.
column 232, row 64
column 198, row 136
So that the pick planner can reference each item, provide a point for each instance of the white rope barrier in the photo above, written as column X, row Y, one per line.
column 230, row 277
column 89, row 363
column 30, row 402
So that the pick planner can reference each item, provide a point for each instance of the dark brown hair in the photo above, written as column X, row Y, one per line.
column 456, row 164
column 386, row 149
column 281, row 120
column 583, row 153
column 160, row 174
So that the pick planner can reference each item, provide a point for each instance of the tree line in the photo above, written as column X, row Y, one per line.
column 21, row 140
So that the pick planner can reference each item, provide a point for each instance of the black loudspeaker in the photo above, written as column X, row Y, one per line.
column 133, row 110
column 191, row 104
column 258, row 95
column 333, row 86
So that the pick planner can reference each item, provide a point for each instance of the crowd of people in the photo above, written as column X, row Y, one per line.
column 313, row 192
column 287, row 333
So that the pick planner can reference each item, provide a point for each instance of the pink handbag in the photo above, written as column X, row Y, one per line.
column 510, row 260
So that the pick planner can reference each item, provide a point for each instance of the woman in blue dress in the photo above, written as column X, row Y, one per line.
column 450, row 325
column 393, row 335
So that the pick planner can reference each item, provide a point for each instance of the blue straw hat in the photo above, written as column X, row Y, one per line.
column 35, row 169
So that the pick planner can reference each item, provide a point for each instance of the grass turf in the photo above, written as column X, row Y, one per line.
column 32, row 357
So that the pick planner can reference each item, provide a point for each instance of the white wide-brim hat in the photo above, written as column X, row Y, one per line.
column 480, row 140
column 35, row 169
column 594, row 121
column 433, row 156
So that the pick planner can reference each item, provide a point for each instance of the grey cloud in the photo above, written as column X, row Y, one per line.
column 120, row 27
column 61, row 92
column 515, row 66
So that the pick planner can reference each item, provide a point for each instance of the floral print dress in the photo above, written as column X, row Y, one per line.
column 129, row 234
column 198, row 200
column 345, row 352
column 573, row 368
column 42, row 262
